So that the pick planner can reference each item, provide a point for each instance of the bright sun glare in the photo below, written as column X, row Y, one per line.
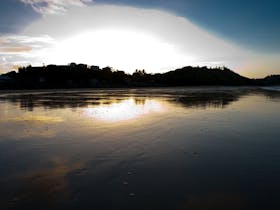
column 121, row 49
column 124, row 110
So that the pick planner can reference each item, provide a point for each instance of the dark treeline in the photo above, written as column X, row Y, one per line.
column 83, row 76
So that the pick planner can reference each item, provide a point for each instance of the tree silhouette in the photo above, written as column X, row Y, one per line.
column 83, row 76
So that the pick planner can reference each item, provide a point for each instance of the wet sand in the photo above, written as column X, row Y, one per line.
column 163, row 148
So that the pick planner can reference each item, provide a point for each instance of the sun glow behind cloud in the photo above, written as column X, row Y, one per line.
column 129, row 38
column 125, row 38
column 121, row 49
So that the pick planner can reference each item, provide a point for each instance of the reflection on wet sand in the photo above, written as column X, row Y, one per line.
column 125, row 109
column 30, row 125
column 208, row 100
column 36, row 118
column 140, row 149
column 273, row 95
column 198, row 98
column 43, row 189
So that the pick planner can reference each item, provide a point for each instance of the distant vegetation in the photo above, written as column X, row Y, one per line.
column 83, row 76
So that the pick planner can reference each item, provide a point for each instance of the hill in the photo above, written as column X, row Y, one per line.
column 83, row 76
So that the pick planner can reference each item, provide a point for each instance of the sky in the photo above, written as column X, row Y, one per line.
column 155, row 35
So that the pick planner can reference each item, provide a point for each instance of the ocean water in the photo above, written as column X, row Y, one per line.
column 166, row 148
column 272, row 88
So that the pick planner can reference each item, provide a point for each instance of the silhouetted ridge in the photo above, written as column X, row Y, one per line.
column 83, row 76
column 272, row 80
column 203, row 76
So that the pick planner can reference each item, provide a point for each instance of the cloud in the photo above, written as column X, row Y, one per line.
column 7, row 45
column 54, row 6
column 10, row 44
column 125, row 38
column 128, row 38
column 18, row 50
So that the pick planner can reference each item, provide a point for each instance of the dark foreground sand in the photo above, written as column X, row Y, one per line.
column 171, row 148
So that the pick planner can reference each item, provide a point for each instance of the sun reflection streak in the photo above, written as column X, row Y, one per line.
column 125, row 110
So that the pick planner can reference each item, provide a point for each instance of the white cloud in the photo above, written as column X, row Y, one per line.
column 21, row 50
column 20, row 44
column 139, row 38
column 126, row 38
column 54, row 6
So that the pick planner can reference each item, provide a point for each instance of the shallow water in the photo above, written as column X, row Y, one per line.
column 181, row 148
